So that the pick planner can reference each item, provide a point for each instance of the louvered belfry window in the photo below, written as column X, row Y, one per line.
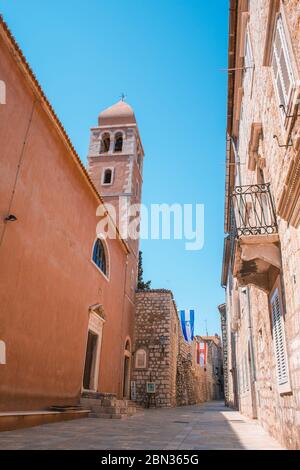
column 281, row 65
column 279, row 339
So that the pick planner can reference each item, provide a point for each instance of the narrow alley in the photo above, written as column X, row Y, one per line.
column 209, row 426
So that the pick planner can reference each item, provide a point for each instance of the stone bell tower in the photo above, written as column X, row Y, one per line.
column 115, row 164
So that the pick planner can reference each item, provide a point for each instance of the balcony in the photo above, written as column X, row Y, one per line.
column 254, row 237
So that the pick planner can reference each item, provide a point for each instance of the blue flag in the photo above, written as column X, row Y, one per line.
column 187, row 323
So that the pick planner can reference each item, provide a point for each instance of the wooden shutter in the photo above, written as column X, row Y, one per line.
column 279, row 339
column 281, row 65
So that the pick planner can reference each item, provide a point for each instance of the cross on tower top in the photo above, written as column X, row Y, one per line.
column 123, row 96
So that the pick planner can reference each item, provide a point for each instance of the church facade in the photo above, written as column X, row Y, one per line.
column 67, row 296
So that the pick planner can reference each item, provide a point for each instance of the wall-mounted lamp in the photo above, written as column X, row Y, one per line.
column 10, row 218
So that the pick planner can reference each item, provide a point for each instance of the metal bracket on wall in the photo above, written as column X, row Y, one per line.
column 234, row 69
column 289, row 115
column 289, row 144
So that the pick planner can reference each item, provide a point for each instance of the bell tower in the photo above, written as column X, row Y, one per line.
column 115, row 163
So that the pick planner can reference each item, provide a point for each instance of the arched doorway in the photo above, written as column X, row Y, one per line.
column 126, row 369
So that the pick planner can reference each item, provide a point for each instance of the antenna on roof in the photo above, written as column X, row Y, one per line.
column 206, row 327
column 123, row 96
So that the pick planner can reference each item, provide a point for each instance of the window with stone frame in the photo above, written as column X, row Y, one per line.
column 283, row 76
column 141, row 359
column 107, row 176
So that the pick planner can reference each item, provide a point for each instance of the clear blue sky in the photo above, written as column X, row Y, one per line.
column 166, row 56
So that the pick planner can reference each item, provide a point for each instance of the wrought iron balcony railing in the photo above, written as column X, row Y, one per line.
column 252, row 211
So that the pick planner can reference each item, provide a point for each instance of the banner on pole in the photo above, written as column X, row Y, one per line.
column 187, row 318
column 201, row 353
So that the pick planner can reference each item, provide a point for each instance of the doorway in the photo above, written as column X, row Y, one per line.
column 90, row 361
column 126, row 377
column 252, row 383
column 126, row 369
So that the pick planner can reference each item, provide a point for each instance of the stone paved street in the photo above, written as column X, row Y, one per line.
column 206, row 426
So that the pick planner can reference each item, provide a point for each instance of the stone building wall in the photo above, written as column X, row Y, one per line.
column 156, row 330
column 258, row 391
column 214, row 367
column 222, row 310
column 173, row 366
column 279, row 413
column 195, row 384
column 184, row 379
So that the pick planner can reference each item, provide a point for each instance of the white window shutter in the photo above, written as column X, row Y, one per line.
column 248, row 52
column 279, row 339
column 248, row 61
column 281, row 65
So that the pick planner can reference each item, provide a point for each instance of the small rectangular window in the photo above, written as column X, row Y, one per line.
column 107, row 176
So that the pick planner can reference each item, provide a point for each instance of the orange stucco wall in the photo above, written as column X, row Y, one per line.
column 47, row 279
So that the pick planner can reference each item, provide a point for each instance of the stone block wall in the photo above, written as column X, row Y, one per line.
column 184, row 379
column 156, row 330
column 171, row 363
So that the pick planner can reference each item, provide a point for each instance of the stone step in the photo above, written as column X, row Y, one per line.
column 65, row 408
column 25, row 419
column 98, row 395
column 109, row 410
column 108, row 406
column 107, row 415
column 136, row 405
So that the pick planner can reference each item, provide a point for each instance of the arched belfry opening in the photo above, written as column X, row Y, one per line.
column 105, row 143
column 118, row 142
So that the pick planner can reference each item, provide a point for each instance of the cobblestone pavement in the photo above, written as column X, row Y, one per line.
column 206, row 426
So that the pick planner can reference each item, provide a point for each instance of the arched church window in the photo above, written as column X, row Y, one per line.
column 105, row 143
column 118, row 142
column 141, row 359
column 107, row 177
column 99, row 256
